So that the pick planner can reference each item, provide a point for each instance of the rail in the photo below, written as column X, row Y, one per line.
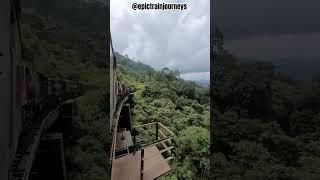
column 159, row 136
column 156, row 131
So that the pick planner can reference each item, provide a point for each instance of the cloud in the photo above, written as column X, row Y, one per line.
column 286, row 32
column 238, row 19
column 170, row 38
column 196, row 76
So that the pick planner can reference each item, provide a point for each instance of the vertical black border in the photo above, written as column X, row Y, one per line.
column 108, row 41
column 212, row 26
column 211, row 88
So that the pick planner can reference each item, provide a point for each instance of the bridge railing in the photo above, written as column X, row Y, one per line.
column 155, row 134
column 122, row 90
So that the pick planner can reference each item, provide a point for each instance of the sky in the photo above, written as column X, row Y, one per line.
column 270, row 30
column 177, row 39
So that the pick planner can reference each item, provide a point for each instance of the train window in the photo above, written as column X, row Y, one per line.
column 28, row 74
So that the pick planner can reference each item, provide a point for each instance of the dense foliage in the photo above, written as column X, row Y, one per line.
column 66, row 39
column 61, row 39
column 265, row 125
column 180, row 105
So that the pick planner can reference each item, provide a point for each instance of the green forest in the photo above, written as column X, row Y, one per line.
column 265, row 125
column 182, row 106
column 66, row 39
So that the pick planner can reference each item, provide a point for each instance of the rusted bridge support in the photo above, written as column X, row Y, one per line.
column 142, row 164
column 157, row 131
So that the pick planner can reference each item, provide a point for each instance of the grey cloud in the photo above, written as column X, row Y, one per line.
column 196, row 76
column 271, row 30
column 174, row 39
column 238, row 19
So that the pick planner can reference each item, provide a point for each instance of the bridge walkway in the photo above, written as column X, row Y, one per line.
column 129, row 167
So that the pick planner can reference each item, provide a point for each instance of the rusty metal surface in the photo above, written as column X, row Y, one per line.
column 128, row 167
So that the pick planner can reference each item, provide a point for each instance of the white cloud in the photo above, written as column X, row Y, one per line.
column 164, row 38
column 196, row 76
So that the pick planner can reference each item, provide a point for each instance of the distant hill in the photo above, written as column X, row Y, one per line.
column 300, row 69
column 297, row 68
column 259, row 115
column 133, row 65
column 202, row 82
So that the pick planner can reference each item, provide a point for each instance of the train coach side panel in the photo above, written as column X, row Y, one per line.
column 5, row 89
column 112, row 75
column 10, row 121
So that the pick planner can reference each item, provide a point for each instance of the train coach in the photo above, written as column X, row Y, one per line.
column 24, row 94
column 64, row 88
column 35, row 92
column 117, row 90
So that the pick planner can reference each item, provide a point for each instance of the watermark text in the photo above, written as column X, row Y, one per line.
column 159, row 6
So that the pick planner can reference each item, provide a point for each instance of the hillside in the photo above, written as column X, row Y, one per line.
column 180, row 105
column 202, row 82
column 266, row 125
column 304, row 69
column 67, row 39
